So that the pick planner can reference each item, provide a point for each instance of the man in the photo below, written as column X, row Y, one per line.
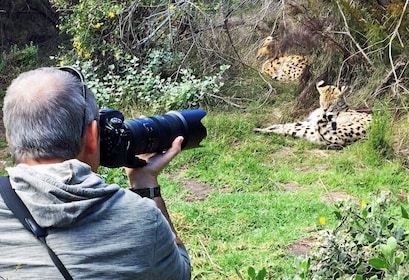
column 97, row 230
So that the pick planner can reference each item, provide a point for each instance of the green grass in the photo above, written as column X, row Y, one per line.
column 249, row 219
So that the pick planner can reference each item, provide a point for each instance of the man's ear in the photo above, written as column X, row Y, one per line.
column 91, row 138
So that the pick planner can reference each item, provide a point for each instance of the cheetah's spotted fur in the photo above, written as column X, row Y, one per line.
column 333, row 124
column 281, row 68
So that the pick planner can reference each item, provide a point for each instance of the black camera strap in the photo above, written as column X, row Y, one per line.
column 17, row 206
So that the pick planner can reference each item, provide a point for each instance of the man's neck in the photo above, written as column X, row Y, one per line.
column 41, row 161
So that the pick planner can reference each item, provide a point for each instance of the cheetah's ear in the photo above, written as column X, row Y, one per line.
column 268, row 40
column 344, row 89
column 320, row 84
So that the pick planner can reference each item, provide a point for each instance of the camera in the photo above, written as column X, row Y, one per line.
column 122, row 140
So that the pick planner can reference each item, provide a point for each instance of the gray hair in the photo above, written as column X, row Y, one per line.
column 43, row 114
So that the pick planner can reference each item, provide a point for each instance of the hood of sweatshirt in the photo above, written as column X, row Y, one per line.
column 57, row 195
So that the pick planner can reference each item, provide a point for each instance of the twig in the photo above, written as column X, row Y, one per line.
column 394, row 34
column 268, row 94
column 326, row 190
column 210, row 258
column 350, row 35
column 225, row 100
column 387, row 81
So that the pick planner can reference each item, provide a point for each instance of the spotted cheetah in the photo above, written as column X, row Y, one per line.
column 334, row 124
column 285, row 68
column 281, row 68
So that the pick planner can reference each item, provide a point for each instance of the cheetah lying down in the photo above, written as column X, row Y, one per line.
column 333, row 124
column 285, row 68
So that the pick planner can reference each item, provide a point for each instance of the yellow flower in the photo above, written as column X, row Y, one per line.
column 87, row 55
column 323, row 220
column 76, row 44
column 363, row 203
column 98, row 25
column 111, row 14
column 171, row 7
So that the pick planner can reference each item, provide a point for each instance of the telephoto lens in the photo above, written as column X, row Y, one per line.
column 122, row 140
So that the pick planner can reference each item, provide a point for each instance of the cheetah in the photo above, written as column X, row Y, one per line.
column 333, row 124
column 286, row 68
column 281, row 68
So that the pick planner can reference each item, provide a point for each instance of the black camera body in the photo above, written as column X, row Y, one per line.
column 122, row 140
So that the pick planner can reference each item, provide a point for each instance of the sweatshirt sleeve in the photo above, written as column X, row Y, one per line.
column 170, row 260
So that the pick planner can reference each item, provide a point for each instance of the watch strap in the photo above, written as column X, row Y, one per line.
column 150, row 192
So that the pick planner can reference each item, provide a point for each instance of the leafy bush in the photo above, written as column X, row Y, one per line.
column 123, row 84
column 370, row 242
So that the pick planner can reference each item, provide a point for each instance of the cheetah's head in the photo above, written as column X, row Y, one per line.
column 267, row 49
column 330, row 95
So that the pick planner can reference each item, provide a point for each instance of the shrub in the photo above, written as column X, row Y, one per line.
column 123, row 84
column 370, row 242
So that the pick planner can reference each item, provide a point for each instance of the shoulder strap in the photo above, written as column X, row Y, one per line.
column 17, row 206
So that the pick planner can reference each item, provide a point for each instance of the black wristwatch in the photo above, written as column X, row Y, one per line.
column 150, row 192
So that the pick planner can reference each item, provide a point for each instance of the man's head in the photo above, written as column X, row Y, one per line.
column 46, row 114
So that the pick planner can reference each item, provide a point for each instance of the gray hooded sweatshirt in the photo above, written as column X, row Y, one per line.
column 99, row 231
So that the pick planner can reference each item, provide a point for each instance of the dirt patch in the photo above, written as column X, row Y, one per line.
column 284, row 152
column 331, row 197
column 302, row 247
column 196, row 190
column 290, row 186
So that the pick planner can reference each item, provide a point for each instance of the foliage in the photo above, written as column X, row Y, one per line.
column 253, row 274
column 118, row 73
column 373, row 25
column 123, row 85
column 380, row 132
column 94, row 28
column 369, row 242
column 15, row 61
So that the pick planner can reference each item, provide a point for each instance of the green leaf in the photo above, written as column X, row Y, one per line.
column 405, row 214
column 251, row 272
column 305, row 264
column 261, row 274
column 338, row 214
column 392, row 243
column 378, row 263
column 370, row 237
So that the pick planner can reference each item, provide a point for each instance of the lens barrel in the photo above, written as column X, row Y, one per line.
column 156, row 134
column 121, row 141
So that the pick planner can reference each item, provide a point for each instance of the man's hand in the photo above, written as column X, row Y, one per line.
column 147, row 176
